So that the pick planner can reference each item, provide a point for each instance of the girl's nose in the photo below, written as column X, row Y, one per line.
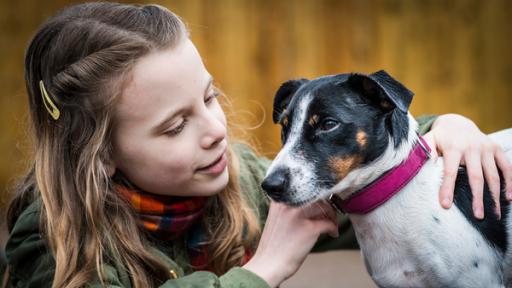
column 214, row 132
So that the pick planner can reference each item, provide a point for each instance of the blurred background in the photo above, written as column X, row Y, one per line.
column 455, row 55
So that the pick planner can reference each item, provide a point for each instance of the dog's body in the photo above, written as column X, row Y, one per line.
column 342, row 133
column 411, row 241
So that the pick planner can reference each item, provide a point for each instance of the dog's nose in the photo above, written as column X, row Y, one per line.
column 276, row 183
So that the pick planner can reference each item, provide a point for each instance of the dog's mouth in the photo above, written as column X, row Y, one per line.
column 291, row 201
column 297, row 191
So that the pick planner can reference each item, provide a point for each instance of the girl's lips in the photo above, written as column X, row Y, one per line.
column 216, row 167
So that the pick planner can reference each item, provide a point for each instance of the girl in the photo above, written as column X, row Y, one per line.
column 134, row 183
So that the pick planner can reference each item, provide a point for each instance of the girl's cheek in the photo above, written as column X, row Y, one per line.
column 181, row 161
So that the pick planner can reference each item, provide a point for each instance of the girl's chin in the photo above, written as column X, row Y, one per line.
column 222, row 183
column 212, row 187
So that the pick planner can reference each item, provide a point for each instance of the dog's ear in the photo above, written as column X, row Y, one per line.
column 383, row 90
column 284, row 95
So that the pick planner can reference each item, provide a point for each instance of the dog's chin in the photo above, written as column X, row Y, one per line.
column 293, row 202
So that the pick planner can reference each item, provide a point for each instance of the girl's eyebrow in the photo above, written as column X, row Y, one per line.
column 173, row 114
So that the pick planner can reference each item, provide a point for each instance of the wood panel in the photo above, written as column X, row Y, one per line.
column 454, row 54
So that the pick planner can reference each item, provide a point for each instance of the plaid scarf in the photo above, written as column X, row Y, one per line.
column 165, row 217
column 170, row 217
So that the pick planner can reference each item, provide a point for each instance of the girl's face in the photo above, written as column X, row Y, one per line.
column 170, row 134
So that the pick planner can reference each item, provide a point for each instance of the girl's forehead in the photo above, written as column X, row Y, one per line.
column 163, row 80
column 173, row 67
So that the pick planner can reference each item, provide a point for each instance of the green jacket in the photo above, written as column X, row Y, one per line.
column 32, row 265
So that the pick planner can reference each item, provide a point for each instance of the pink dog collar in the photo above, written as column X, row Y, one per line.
column 382, row 189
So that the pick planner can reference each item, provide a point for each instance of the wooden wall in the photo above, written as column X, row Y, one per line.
column 455, row 55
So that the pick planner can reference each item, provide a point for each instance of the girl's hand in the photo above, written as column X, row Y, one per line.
column 460, row 141
column 288, row 236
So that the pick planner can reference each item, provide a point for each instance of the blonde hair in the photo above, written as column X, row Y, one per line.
column 84, row 55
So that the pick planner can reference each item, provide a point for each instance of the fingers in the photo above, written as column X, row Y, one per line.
column 493, row 179
column 506, row 170
column 326, row 226
column 476, row 182
column 330, row 214
column 313, row 210
column 323, row 216
column 451, row 165
column 461, row 142
column 322, row 209
column 332, row 230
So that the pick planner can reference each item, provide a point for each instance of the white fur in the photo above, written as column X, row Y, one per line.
column 302, row 179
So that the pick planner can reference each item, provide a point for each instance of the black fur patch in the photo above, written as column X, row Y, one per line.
column 492, row 229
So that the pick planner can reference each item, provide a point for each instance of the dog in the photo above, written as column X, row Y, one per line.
column 349, row 138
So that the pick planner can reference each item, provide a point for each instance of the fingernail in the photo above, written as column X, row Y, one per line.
column 479, row 213
column 446, row 202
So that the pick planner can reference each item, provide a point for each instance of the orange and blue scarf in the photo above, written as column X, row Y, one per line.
column 171, row 217
column 165, row 217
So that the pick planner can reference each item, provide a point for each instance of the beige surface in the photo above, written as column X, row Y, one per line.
column 332, row 269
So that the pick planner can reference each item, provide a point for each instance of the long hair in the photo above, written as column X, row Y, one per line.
column 84, row 56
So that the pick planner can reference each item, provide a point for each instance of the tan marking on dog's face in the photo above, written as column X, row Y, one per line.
column 285, row 121
column 343, row 165
column 313, row 120
column 361, row 138
column 386, row 104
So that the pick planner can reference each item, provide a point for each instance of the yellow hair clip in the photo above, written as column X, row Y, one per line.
column 48, row 103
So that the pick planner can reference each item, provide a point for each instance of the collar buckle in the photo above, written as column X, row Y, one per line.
column 335, row 202
column 424, row 146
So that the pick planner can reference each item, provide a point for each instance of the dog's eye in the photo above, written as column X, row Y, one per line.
column 328, row 124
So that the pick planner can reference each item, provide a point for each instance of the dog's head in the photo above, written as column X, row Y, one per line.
column 338, row 132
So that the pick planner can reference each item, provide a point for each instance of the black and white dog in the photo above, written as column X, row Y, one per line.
column 349, row 138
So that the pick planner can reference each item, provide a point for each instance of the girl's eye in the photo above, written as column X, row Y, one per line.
column 212, row 95
column 178, row 129
column 328, row 124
